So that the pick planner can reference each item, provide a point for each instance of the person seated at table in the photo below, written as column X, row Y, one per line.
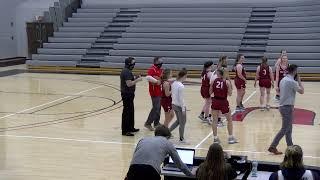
column 292, row 167
column 150, row 153
column 214, row 167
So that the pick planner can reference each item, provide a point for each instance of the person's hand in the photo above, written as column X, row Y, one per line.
column 298, row 78
column 139, row 79
column 158, row 82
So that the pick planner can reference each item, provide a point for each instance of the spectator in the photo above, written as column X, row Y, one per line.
column 150, row 153
column 128, row 87
column 215, row 167
column 154, row 78
column 292, row 167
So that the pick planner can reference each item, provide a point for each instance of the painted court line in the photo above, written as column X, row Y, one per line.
column 121, row 143
column 68, row 139
column 22, row 111
column 210, row 134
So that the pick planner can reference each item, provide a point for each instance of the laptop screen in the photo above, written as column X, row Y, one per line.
column 186, row 156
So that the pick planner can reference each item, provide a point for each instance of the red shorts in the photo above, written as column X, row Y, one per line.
column 205, row 92
column 239, row 83
column 266, row 83
column 221, row 105
column 166, row 103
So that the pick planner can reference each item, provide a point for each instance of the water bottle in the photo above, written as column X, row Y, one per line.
column 254, row 172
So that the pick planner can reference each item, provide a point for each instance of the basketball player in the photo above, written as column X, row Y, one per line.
column 281, row 72
column 205, row 115
column 283, row 53
column 240, row 81
column 221, row 64
column 166, row 99
column 265, row 76
column 220, row 89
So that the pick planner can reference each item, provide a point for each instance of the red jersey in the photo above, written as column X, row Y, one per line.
column 264, row 72
column 205, row 81
column 220, row 88
column 243, row 72
column 163, row 94
column 154, row 89
column 282, row 73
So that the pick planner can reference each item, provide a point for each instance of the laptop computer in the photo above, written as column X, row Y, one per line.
column 186, row 156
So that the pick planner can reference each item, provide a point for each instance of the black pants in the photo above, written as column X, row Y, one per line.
column 142, row 172
column 127, row 124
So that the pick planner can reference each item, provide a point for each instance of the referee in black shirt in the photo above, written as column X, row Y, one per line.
column 128, row 87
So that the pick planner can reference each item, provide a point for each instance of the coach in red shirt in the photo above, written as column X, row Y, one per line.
column 154, row 78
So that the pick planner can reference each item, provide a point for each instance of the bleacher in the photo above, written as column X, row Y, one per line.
column 101, row 36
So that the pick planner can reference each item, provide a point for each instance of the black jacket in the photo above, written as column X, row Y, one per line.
column 292, row 174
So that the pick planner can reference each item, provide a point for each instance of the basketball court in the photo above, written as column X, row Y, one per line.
column 65, row 126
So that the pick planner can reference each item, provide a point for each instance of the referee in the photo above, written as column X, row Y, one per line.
column 128, row 88
column 289, row 85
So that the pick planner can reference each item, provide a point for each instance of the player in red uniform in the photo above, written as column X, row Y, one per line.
column 205, row 115
column 240, row 81
column 220, row 89
column 166, row 99
column 281, row 72
column 265, row 76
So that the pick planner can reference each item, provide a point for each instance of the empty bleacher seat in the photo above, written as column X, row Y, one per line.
column 295, row 49
column 85, row 24
column 200, row 14
column 76, row 34
column 52, row 63
column 289, row 36
column 296, row 25
column 72, row 40
column 291, row 42
column 87, row 10
column 188, row 25
column 194, row 19
column 81, row 29
column 186, row 30
column 295, row 56
column 93, row 15
column 159, row 47
column 297, row 13
column 62, row 51
column 295, row 30
column 231, row 42
column 149, row 53
column 57, row 57
column 196, row 10
column 67, row 45
column 180, row 35
column 83, row 20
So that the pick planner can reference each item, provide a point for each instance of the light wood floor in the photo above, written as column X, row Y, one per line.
column 62, row 126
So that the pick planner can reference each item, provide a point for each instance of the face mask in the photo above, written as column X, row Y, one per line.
column 130, row 66
column 159, row 65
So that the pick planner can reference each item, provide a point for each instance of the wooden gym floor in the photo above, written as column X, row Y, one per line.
column 64, row 126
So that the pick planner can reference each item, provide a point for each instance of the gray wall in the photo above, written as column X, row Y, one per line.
column 18, row 12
